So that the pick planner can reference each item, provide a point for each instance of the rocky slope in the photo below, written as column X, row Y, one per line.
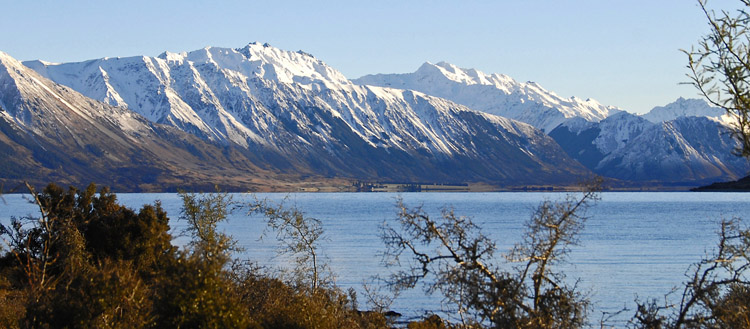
column 694, row 148
column 495, row 94
column 50, row 133
column 682, row 142
column 290, row 114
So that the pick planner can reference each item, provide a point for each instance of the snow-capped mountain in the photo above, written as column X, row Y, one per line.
column 495, row 94
column 34, row 104
column 296, row 114
column 686, row 148
column 289, row 114
column 683, row 108
column 50, row 133
column 589, row 142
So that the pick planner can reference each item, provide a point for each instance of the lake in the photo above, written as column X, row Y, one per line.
column 634, row 245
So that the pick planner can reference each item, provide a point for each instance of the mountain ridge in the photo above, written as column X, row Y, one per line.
column 694, row 149
column 496, row 94
column 51, row 133
column 303, row 122
column 604, row 139
column 682, row 107
column 297, row 114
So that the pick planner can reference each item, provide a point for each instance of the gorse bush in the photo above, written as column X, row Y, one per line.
column 89, row 262
column 84, row 261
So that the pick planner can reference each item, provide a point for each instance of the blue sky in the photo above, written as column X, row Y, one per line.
column 623, row 53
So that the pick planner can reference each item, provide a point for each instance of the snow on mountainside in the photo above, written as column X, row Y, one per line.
column 683, row 108
column 51, row 133
column 687, row 148
column 293, row 114
column 589, row 142
column 494, row 93
column 144, row 84
column 32, row 102
column 619, row 130
column 629, row 147
column 308, row 114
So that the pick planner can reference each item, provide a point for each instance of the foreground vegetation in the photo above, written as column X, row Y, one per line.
column 89, row 262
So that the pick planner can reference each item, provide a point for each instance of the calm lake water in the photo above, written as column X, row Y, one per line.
column 634, row 245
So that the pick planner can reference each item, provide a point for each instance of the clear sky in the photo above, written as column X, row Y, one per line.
column 620, row 52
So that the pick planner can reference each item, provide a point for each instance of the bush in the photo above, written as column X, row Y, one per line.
column 451, row 256
column 89, row 262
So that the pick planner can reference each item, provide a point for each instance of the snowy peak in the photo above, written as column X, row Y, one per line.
column 263, row 61
column 683, row 108
column 8, row 66
column 5, row 58
column 154, row 88
column 9, row 92
column 55, row 134
column 45, row 108
column 618, row 130
column 295, row 110
column 687, row 148
column 10, row 69
column 20, row 86
column 494, row 93
column 295, row 66
column 91, row 72
column 449, row 73
column 464, row 76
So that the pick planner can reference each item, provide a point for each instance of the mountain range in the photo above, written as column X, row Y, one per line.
column 684, row 142
column 285, row 114
column 259, row 117
column 629, row 147
column 495, row 94
column 51, row 133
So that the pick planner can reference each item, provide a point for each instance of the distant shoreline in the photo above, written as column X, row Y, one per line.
column 352, row 186
column 740, row 185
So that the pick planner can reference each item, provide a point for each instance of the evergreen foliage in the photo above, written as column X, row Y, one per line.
column 89, row 262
